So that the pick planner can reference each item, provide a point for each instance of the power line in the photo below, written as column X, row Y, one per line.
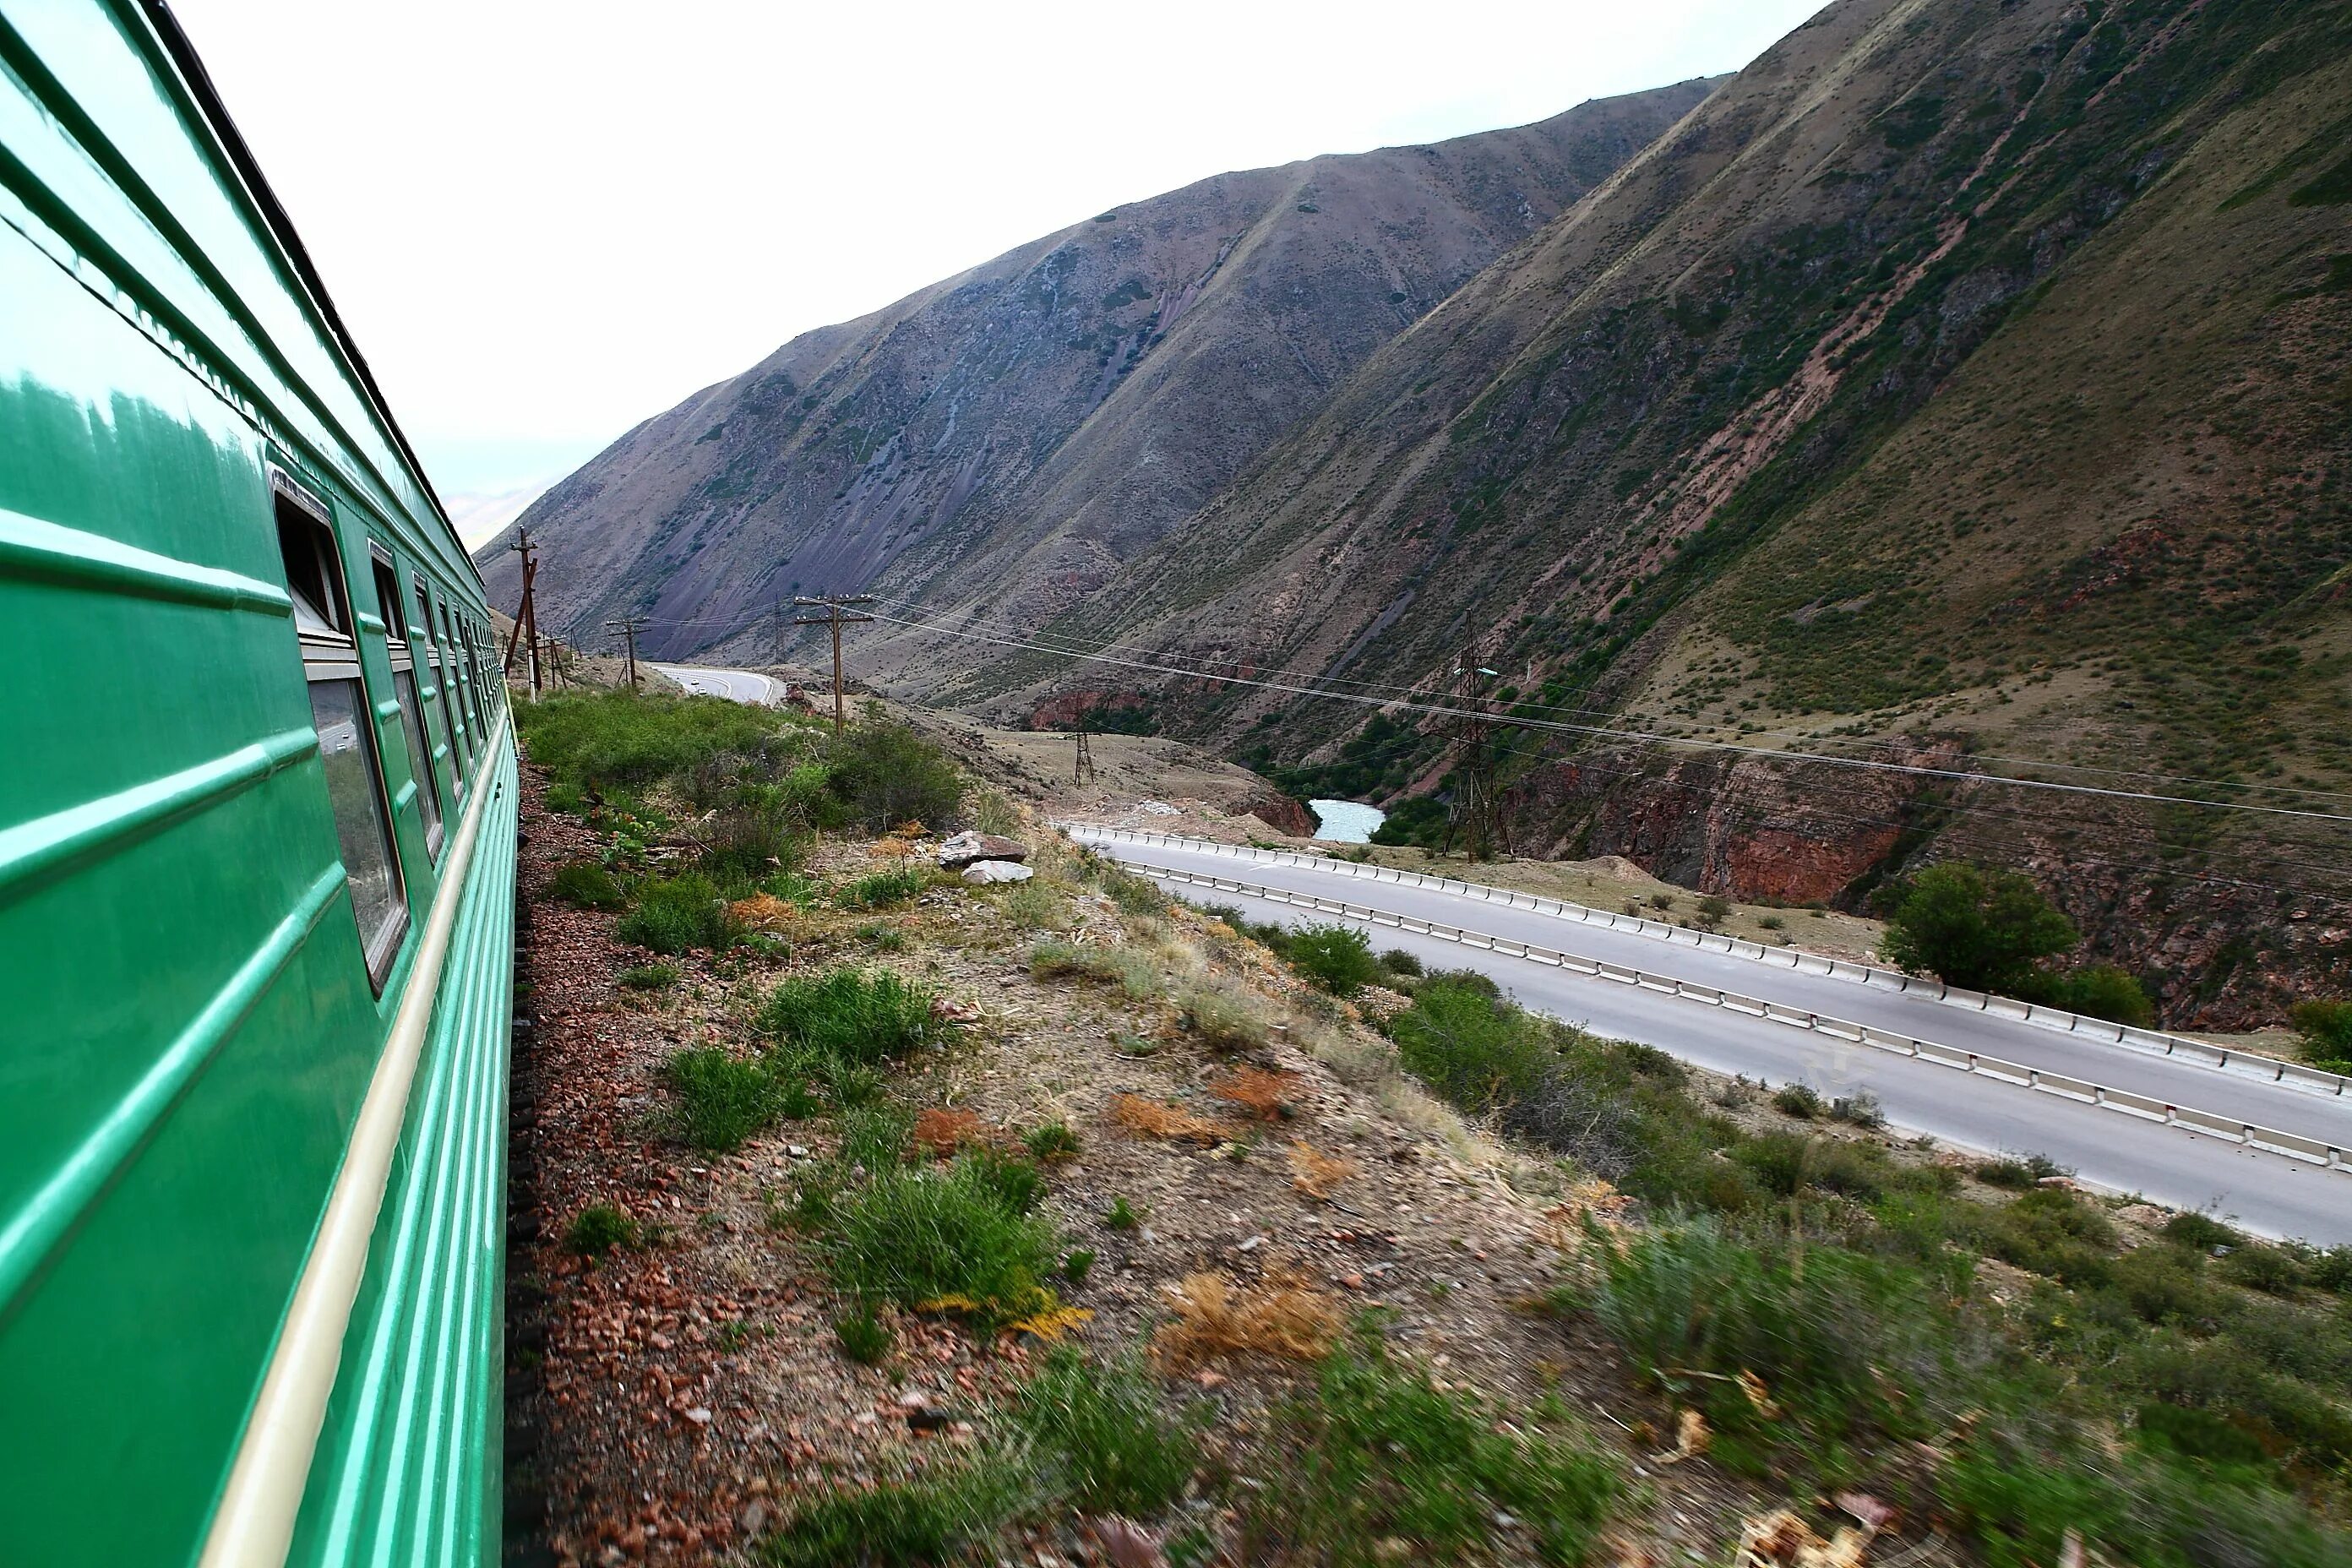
column 1039, row 642
column 1637, row 736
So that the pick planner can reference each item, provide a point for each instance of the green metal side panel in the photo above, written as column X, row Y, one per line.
column 407, row 1469
column 186, row 1026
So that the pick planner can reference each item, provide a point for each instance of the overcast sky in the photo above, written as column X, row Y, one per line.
column 546, row 221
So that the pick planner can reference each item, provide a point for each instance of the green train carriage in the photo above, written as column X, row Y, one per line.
column 258, row 808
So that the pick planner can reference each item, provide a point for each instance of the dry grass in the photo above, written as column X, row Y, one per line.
column 1214, row 1318
column 943, row 1133
column 889, row 848
column 1225, row 1015
column 1151, row 1119
column 1315, row 1174
column 763, row 911
column 1267, row 1096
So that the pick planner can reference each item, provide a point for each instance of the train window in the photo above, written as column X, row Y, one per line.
column 436, row 627
column 345, row 724
column 465, row 683
column 440, row 682
column 459, row 638
column 412, row 711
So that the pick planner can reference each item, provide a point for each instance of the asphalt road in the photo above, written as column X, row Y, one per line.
column 2266, row 1192
column 737, row 685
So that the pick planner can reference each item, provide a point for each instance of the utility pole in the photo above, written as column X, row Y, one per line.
column 832, row 605
column 526, row 613
column 629, row 626
column 1472, row 811
column 1083, row 770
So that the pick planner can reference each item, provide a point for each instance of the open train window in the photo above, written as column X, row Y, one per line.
column 412, row 711
column 345, row 722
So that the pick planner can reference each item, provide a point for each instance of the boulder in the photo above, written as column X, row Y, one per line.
column 966, row 848
column 980, row 873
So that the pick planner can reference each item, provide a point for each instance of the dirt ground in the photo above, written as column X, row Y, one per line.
column 670, row 1399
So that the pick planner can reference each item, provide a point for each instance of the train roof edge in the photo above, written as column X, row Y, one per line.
column 205, row 99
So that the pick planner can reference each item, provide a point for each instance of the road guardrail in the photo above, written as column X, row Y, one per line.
column 2189, row 1118
column 2153, row 1042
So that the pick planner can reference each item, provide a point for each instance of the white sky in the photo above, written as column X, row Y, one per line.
column 546, row 221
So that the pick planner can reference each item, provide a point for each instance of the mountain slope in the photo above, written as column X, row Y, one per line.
column 1966, row 377
column 1037, row 421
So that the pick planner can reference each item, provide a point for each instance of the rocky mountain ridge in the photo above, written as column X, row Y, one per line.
column 1031, row 425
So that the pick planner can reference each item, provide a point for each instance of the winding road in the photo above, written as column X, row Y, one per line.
column 2265, row 1192
column 737, row 685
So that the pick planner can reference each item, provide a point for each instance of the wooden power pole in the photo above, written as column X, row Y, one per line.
column 526, row 613
column 629, row 626
column 834, row 619
column 1083, row 770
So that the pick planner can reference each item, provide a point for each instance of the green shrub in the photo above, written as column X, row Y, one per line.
column 619, row 738
column 1379, row 1454
column 881, row 889
column 1077, row 1265
column 2270, row 1269
column 1789, row 1164
column 1335, row 957
column 885, row 773
column 2202, row 1232
column 2323, row 1033
column 918, row 1236
column 2018, row 1175
column 864, row 1338
column 1800, row 1101
column 849, row 1016
column 1121, row 1216
column 598, row 1229
column 678, row 913
column 1098, row 1437
column 587, row 884
column 2103, row 991
column 723, row 1099
column 932, row 1520
column 2048, row 1231
column 1552, row 1086
column 649, row 976
column 1983, row 930
column 1397, row 961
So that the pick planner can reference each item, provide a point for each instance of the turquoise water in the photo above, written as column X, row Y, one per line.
column 1345, row 821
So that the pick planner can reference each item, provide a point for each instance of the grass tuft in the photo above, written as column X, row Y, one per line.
column 724, row 1099
column 587, row 884
column 598, row 1229
column 1099, row 1439
column 934, row 1520
column 919, row 1237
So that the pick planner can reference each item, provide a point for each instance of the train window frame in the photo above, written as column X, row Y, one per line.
column 459, row 650
column 402, row 656
column 472, row 722
column 449, row 722
column 329, row 647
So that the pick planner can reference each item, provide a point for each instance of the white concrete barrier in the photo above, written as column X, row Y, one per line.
column 2290, row 1145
